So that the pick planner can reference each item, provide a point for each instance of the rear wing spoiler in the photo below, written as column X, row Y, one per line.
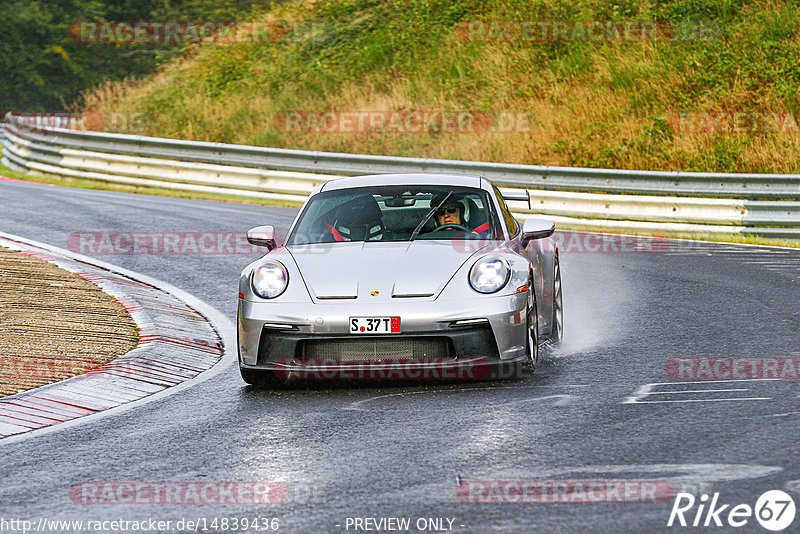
column 521, row 196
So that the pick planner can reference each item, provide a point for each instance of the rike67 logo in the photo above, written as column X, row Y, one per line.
column 774, row 510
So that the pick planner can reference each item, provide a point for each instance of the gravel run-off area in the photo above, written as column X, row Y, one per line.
column 54, row 324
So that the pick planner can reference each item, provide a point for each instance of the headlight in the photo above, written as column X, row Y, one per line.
column 489, row 274
column 270, row 279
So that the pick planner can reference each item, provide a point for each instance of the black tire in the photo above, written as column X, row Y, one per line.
column 531, row 322
column 557, row 325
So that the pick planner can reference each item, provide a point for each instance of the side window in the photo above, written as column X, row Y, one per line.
column 511, row 223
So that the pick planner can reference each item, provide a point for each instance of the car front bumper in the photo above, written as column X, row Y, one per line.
column 474, row 368
column 276, row 335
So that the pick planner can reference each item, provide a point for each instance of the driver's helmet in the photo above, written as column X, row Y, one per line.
column 455, row 199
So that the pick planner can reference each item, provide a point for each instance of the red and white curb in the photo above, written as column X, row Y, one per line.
column 180, row 338
column 17, row 180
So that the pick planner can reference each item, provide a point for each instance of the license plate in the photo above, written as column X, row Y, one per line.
column 374, row 325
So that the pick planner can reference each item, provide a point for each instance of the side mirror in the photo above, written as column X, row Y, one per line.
column 536, row 229
column 263, row 236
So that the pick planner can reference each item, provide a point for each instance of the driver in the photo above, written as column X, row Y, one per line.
column 452, row 212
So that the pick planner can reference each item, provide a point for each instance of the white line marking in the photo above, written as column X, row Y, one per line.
column 647, row 390
column 698, row 478
column 715, row 381
column 702, row 400
column 638, row 393
column 563, row 400
column 565, row 386
column 356, row 406
column 697, row 391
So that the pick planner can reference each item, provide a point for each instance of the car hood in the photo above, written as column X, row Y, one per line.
column 377, row 272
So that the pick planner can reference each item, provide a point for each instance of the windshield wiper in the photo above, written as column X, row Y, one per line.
column 429, row 215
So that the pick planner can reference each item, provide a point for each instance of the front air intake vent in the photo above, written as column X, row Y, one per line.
column 379, row 349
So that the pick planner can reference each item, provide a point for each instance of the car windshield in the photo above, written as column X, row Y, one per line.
column 395, row 213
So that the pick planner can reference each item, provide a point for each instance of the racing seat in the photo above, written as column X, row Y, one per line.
column 357, row 220
column 477, row 220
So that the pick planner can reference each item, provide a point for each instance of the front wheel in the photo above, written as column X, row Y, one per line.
column 532, row 330
column 557, row 326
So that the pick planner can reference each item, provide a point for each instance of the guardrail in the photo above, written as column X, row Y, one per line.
column 606, row 199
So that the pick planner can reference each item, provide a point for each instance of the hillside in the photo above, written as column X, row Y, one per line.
column 45, row 65
column 701, row 85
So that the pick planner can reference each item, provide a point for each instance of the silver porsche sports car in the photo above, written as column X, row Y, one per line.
column 404, row 276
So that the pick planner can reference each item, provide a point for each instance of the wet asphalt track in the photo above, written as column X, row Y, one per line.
column 399, row 450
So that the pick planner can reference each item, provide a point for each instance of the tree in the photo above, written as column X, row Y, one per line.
column 44, row 69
